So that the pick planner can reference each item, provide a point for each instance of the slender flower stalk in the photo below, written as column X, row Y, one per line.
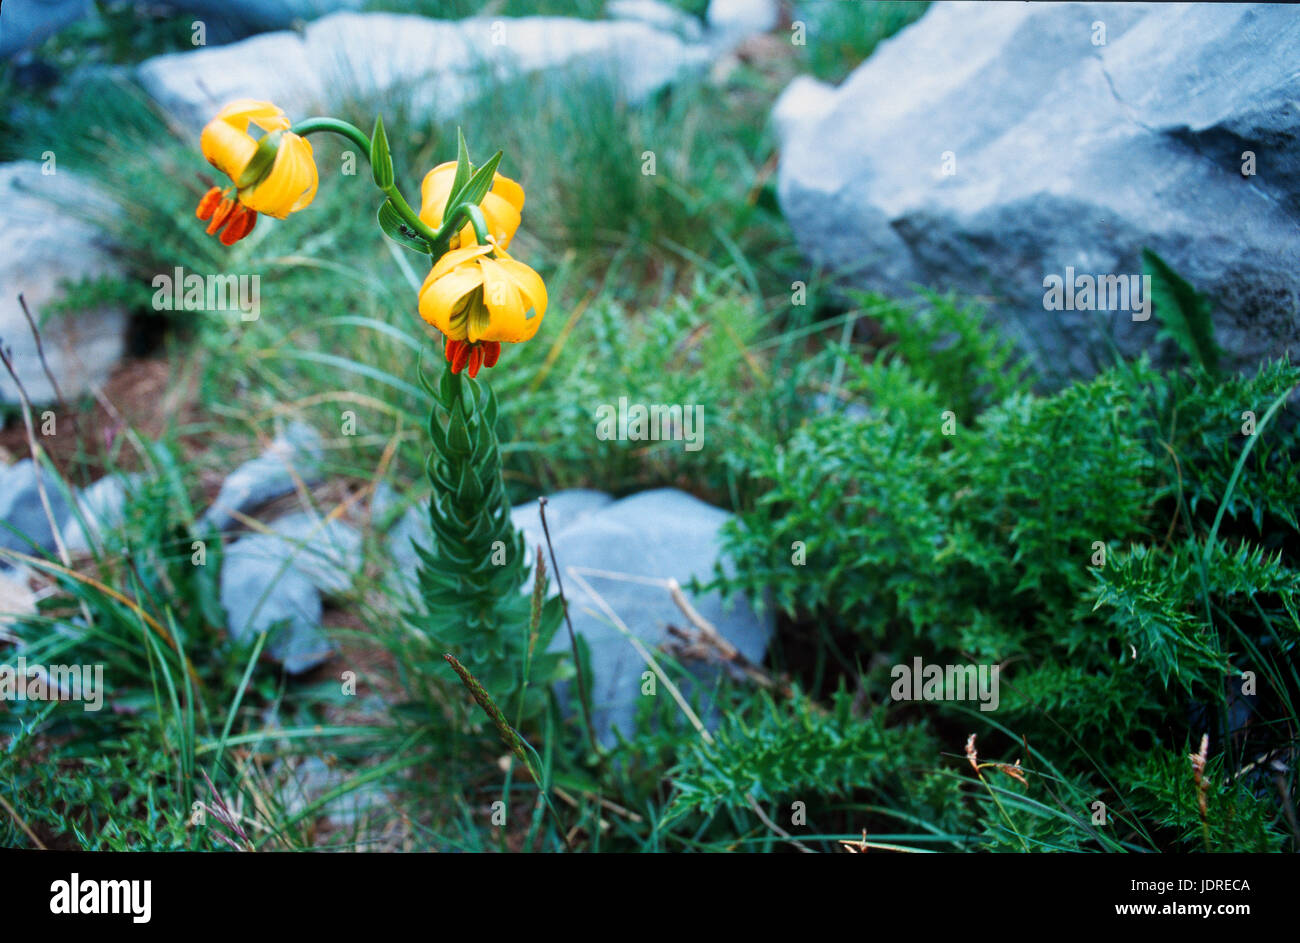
column 480, row 297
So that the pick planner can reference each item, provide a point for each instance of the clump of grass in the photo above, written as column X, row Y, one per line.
column 841, row 35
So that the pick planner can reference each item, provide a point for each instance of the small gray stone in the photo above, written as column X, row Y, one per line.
column 326, row 552
column 260, row 592
column 384, row 502
column 313, row 778
column 22, row 510
column 292, row 566
column 298, row 448
column 412, row 528
column 101, row 507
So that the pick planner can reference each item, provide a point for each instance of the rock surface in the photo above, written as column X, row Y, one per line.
column 633, row 543
column 17, row 601
column 1065, row 153
column 21, row 508
column 655, row 535
column 26, row 23
column 275, row 581
column 43, row 215
column 100, row 508
column 657, row 14
column 328, row 552
column 298, row 450
column 244, row 16
column 733, row 21
column 436, row 62
column 562, row 509
column 313, row 778
column 261, row 592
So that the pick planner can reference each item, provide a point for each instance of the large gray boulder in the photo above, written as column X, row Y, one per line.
column 436, row 64
column 26, row 23
column 1062, row 153
column 623, row 550
column 245, row 16
column 46, row 239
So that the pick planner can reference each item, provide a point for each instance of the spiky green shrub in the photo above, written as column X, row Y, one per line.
column 1116, row 546
column 779, row 752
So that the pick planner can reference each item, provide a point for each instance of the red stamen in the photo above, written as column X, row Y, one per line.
column 460, row 357
column 491, row 353
column 220, row 216
column 240, row 224
column 475, row 360
column 208, row 203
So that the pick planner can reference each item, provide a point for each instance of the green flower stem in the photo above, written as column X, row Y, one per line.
column 437, row 240
column 349, row 131
column 476, row 219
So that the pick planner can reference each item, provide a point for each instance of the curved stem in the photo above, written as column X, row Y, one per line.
column 438, row 241
column 350, row 131
column 413, row 220
column 362, row 140
column 476, row 219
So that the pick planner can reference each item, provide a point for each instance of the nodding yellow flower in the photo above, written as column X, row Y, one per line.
column 274, row 174
column 480, row 303
column 501, row 206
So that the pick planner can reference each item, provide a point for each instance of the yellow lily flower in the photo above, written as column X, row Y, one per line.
column 480, row 303
column 275, row 174
column 502, row 206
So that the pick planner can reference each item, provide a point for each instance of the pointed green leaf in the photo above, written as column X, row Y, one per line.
column 449, row 387
column 463, row 167
column 1183, row 312
column 458, row 432
column 381, row 161
column 397, row 230
column 478, row 185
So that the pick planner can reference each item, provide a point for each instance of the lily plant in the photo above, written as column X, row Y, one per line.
column 478, row 297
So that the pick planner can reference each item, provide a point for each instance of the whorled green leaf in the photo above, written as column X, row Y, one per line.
column 396, row 229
